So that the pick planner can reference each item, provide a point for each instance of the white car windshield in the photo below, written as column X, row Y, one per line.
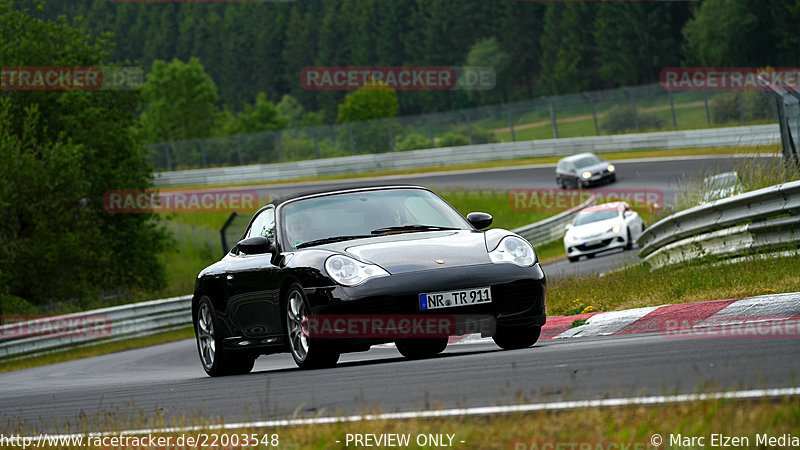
column 594, row 216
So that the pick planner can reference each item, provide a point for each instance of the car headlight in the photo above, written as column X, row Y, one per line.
column 350, row 272
column 617, row 226
column 611, row 168
column 587, row 175
column 512, row 249
column 570, row 238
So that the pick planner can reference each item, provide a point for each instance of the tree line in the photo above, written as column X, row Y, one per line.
column 537, row 48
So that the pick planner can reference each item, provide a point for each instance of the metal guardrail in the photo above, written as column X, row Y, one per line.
column 57, row 333
column 728, row 227
column 552, row 228
column 715, row 137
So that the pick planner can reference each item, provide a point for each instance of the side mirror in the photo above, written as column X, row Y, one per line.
column 255, row 245
column 479, row 220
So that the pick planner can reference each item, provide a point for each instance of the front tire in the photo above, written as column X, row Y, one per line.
column 517, row 338
column 308, row 353
column 421, row 348
column 215, row 359
column 573, row 259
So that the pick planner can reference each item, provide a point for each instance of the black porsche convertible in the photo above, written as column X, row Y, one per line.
column 326, row 273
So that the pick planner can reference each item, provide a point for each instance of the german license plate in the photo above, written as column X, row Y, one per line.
column 449, row 299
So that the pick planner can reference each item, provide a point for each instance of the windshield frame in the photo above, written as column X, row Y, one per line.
column 280, row 216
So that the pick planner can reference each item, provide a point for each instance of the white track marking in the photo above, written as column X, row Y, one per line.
column 476, row 411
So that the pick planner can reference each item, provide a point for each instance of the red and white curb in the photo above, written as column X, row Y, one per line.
column 671, row 318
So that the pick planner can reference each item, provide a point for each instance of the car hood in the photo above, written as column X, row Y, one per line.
column 412, row 252
column 593, row 229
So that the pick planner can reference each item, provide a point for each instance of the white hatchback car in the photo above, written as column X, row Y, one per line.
column 600, row 228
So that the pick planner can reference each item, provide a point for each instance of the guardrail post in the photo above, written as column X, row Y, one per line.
column 708, row 112
column 223, row 234
column 430, row 132
column 594, row 112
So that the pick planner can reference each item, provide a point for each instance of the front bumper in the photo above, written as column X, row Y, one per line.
column 518, row 294
column 597, row 179
column 597, row 244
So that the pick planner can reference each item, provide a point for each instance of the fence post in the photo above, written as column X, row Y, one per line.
column 552, row 117
column 166, row 153
column 239, row 148
column 469, row 127
column 708, row 112
column 594, row 112
column 511, row 124
column 430, row 132
column 741, row 108
column 352, row 139
column 672, row 108
column 391, row 135
column 316, row 144
column 278, row 145
column 633, row 103
column 202, row 145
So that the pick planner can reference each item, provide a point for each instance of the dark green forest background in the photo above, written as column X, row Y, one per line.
column 553, row 47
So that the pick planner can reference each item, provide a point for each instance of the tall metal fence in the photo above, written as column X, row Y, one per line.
column 612, row 111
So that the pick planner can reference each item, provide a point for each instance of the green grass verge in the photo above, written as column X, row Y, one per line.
column 637, row 286
column 604, row 427
column 97, row 350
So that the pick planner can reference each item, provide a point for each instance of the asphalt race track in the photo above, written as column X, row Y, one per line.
column 168, row 379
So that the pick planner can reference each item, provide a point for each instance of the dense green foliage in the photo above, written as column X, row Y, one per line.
column 60, row 152
column 538, row 47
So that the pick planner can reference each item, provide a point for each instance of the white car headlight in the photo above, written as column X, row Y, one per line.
column 617, row 226
column 512, row 249
column 587, row 175
column 611, row 168
column 570, row 238
column 350, row 272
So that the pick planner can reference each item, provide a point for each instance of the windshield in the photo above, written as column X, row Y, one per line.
column 722, row 181
column 359, row 214
column 595, row 216
column 587, row 161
